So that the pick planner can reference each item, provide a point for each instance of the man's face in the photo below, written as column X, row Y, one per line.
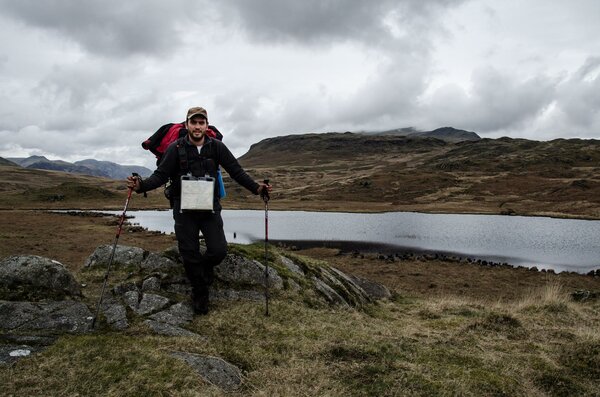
column 197, row 126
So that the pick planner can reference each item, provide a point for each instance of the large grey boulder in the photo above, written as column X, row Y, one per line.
column 329, row 293
column 373, row 289
column 33, row 278
column 178, row 314
column 339, row 281
column 115, row 313
column 291, row 265
column 151, row 303
column 54, row 316
column 124, row 256
column 155, row 262
column 238, row 270
column 214, row 370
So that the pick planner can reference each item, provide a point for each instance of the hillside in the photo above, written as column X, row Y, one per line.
column 86, row 167
column 346, row 171
column 448, row 134
column 4, row 161
column 357, row 172
column 26, row 188
column 114, row 170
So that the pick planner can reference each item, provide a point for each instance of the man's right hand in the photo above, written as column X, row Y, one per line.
column 133, row 182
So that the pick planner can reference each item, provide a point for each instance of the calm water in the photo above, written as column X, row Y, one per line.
column 559, row 244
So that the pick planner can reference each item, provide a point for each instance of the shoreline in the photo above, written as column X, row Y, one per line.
column 392, row 253
column 333, row 210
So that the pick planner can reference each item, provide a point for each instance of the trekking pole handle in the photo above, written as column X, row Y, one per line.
column 136, row 175
column 264, row 194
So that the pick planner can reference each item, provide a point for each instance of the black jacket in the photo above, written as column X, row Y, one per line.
column 213, row 154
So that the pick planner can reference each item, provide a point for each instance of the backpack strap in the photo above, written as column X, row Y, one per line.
column 183, row 160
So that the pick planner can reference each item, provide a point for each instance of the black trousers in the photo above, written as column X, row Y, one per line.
column 199, row 267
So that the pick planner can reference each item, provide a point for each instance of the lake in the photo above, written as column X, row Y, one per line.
column 547, row 243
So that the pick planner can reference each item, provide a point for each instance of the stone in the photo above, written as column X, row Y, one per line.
column 329, row 293
column 291, row 266
column 11, row 353
column 173, row 254
column 238, row 270
column 115, row 314
column 151, row 303
column 373, row 289
column 178, row 314
column 132, row 299
column 354, row 292
column 124, row 256
column 169, row 330
column 63, row 316
column 151, row 284
column 34, row 278
column 122, row 288
column 156, row 262
column 214, row 370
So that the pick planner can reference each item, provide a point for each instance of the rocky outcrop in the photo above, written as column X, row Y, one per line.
column 52, row 317
column 38, row 299
column 124, row 256
column 35, row 278
column 236, row 269
column 156, row 293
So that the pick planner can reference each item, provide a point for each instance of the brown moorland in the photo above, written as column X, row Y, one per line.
column 450, row 328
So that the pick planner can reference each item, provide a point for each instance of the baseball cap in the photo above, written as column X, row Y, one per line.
column 196, row 111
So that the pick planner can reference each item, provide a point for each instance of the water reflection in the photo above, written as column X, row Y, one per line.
column 560, row 244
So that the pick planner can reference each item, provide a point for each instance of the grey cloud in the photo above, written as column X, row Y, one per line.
column 497, row 101
column 316, row 21
column 110, row 27
column 578, row 100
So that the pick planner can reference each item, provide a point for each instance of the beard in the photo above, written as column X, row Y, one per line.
column 194, row 138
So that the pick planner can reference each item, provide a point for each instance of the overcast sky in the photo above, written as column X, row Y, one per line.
column 93, row 79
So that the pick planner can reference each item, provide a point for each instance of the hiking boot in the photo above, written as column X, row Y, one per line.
column 200, row 303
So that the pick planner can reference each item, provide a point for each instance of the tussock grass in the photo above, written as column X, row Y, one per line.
column 551, row 295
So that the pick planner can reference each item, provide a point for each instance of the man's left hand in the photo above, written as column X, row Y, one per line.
column 262, row 187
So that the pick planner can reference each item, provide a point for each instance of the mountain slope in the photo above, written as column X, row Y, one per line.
column 114, row 170
column 4, row 161
column 346, row 171
column 91, row 167
column 448, row 134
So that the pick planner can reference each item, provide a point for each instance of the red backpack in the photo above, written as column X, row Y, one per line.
column 162, row 138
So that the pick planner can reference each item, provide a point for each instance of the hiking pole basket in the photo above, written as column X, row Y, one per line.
column 112, row 253
column 264, row 194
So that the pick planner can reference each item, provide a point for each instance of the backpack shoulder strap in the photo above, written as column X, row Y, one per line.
column 183, row 160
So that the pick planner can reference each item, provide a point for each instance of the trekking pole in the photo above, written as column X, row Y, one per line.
column 112, row 253
column 264, row 194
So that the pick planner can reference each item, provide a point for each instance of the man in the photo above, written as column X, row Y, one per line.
column 199, row 155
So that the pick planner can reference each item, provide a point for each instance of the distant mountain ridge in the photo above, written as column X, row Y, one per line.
column 91, row 167
column 4, row 161
column 448, row 134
